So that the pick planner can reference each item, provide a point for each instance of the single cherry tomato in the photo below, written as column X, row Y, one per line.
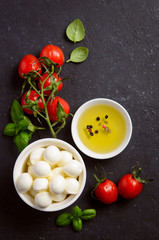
column 52, row 107
column 106, row 192
column 48, row 82
column 130, row 185
column 27, row 64
column 54, row 53
column 32, row 96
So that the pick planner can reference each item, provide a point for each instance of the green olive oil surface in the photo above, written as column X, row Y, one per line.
column 101, row 128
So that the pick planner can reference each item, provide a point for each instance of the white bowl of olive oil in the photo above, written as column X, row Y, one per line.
column 101, row 128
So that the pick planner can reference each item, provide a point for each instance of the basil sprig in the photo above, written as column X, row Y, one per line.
column 75, row 217
column 75, row 31
column 21, row 128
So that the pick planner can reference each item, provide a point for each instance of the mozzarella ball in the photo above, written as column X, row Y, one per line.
column 32, row 192
column 52, row 155
column 41, row 169
column 30, row 171
column 55, row 172
column 59, row 197
column 73, row 168
column 57, row 184
column 24, row 182
column 43, row 199
column 65, row 158
column 72, row 185
column 36, row 155
column 40, row 184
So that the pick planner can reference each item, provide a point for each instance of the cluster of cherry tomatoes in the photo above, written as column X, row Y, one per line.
column 29, row 64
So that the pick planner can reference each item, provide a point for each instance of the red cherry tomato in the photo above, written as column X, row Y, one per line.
column 48, row 82
column 54, row 53
column 129, row 187
column 32, row 96
column 27, row 64
column 52, row 107
column 106, row 192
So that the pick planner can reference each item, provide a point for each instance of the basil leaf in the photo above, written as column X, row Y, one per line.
column 78, row 55
column 64, row 219
column 77, row 224
column 76, row 212
column 75, row 31
column 30, row 134
column 17, row 113
column 31, row 127
column 21, row 140
column 23, row 124
column 10, row 129
column 88, row 214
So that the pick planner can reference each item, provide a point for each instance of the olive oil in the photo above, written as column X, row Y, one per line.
column 101, row 128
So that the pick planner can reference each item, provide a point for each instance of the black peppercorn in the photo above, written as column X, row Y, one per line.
column 96, row 131
column 98, row 118
column 91, row 134
column 106, row 116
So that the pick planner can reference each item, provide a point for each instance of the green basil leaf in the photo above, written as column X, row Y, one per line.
column 17, row 113
column 30, row 134
column 88, row 214
column 64, row 219
column 77, row 224
column 23, row 124
column 76, row 212
column 31, row 127
column 75, row 31
column 21, row 140
column 10, row 129
column 78, row 55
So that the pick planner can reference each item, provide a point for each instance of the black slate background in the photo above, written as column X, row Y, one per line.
column 123, row 64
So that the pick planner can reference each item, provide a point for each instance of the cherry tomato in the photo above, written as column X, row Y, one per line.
column 54, row 53
column 32, row 96
column 48, row 82
column 52, row 107
column 27, row 64
column 106, row 192
column 129, row 187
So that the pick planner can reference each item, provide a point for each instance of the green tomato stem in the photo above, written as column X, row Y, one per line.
column 62, row 126
column 96, row 178
column 47, row 119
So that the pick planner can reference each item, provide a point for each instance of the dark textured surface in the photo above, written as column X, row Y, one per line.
column 123, row 64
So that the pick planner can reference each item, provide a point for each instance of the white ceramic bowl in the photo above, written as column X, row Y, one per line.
column 20, row 165
column 77, row 139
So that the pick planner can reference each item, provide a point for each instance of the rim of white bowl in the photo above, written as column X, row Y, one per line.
column 17, row 170
column 77, row 140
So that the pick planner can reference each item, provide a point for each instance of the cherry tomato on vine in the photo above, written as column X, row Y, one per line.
column 106, row 192
column 52, row 108
column 27, row 64
column 32, row 96
column 130, row 185
column 54, row 53
column 48, row 82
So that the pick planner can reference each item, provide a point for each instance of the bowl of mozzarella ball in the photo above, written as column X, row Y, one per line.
column 49, row 175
